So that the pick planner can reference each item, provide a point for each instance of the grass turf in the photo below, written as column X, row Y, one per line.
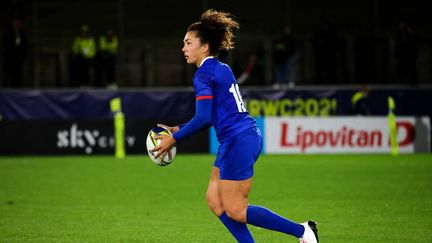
column 354, row 198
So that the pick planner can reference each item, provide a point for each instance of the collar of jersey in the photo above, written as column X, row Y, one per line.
column 205, row 59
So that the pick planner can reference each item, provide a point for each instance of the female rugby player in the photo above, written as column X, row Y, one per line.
column 219, row 104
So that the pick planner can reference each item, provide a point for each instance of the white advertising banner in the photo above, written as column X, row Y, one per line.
column 344, row 135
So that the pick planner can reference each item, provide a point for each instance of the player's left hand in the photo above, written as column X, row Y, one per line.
column 171, row 129
column 165, row 145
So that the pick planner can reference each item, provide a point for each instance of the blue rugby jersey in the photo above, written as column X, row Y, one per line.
column 217, row 96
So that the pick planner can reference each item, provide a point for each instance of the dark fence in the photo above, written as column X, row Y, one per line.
column 361, row 50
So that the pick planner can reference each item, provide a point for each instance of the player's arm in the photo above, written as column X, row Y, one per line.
column 172, row 129
column 200, row 121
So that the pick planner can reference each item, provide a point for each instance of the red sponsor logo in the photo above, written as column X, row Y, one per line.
column 343, row 137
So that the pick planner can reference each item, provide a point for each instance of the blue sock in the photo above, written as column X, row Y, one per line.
column 264, row 218
column 240, row 231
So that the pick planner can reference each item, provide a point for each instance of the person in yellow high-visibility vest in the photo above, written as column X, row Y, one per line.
column 84, row 52
column 106, row 59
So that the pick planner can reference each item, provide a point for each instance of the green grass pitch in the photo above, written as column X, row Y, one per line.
column 354, row 198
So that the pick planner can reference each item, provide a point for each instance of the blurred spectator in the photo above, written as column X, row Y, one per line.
column 106, row 60
column 284, row 57
column 84, row 51
column 14, row 52
column 253, row 74
column 406, row 53
column 326, row 44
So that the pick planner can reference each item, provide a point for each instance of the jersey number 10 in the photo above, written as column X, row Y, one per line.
column 237, row 96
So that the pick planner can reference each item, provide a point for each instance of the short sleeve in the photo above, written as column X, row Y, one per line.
column 203, row 85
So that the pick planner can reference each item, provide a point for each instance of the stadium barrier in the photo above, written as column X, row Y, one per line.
column 81, row 122
column 340, row 135
column 82, row 137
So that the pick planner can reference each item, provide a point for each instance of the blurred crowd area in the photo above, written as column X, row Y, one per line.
column 281, row 43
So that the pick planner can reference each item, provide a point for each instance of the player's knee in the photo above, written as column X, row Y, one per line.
column 214, row 204
column 236, row 213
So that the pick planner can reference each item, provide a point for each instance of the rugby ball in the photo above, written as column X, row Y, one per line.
column 152, row 142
